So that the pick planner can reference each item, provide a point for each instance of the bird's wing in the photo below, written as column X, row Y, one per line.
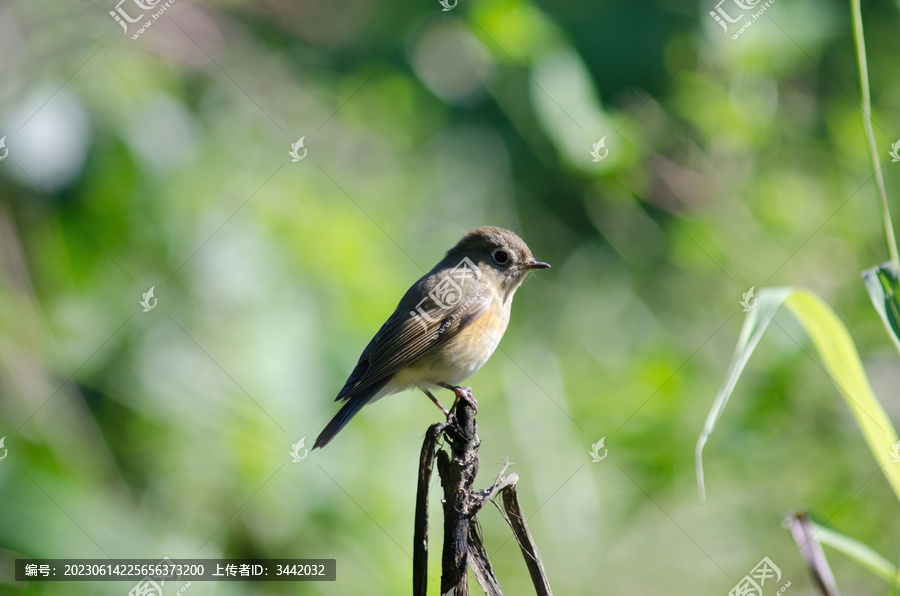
column 414, row 329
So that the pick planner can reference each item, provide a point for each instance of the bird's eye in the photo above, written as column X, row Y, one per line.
column 500, row 256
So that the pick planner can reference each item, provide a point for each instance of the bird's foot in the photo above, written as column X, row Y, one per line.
column 465, row 393
column 462, row 393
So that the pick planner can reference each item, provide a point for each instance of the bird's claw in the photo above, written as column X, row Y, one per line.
column 465, row 393
column 462, row 393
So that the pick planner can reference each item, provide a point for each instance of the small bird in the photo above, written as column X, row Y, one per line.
column 445, row 327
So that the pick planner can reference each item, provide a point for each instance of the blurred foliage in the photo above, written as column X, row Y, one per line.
column 163, row 162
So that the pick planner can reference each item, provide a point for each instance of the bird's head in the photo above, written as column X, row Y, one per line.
column 502, row 257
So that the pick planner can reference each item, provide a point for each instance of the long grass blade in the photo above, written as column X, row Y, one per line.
column 840, row 361
column 859, row 39
column 755, row 325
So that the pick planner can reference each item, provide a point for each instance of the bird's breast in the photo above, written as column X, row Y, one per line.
column 466, row 352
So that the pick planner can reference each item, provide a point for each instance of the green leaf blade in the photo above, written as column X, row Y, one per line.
column 884, row 290
column 840, row 361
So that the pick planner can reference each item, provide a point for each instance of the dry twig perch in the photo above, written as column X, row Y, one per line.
column 463, row 545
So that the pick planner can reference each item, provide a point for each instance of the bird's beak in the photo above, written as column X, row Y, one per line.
column 537, row 265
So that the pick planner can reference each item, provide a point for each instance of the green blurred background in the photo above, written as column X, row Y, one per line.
column 163, row 161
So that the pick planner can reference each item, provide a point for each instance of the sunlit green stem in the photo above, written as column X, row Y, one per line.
column 870, row 135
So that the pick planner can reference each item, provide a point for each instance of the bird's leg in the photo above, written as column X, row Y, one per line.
column 437, row 403
column 464, row 393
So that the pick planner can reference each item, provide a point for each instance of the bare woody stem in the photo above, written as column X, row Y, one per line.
column 463, row 546
column 523, row 536
column 420, row 531
column 860, row 42
column 457, row 468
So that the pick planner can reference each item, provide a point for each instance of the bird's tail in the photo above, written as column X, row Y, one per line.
column 347, row 411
